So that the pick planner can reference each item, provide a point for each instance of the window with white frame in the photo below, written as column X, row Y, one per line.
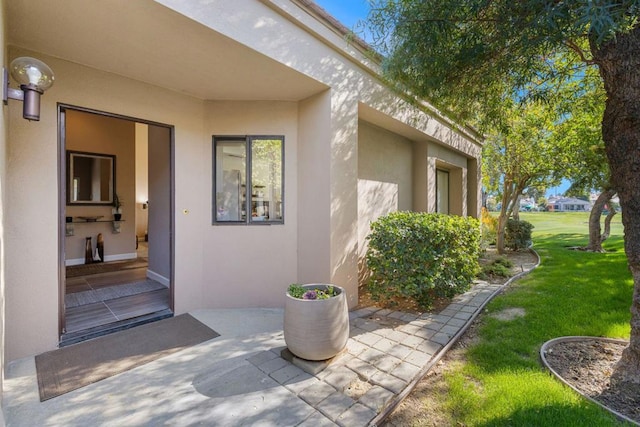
column 248, row 179
column 442, row 191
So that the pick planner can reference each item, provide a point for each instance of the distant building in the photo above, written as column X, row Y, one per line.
column 568, row 204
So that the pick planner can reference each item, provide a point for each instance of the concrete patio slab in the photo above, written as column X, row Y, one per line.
column 240, row 378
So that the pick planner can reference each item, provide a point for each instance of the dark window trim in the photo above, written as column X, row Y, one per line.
column 247, row 140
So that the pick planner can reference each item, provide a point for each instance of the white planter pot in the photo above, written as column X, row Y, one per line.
column 316, row 329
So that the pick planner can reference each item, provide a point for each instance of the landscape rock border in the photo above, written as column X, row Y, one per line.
column 549, row 344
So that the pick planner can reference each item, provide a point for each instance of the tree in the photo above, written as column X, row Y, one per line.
column 516, row 157
column 583, row 160
column 466, row 54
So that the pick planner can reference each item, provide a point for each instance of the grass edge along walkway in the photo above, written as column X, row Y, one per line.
column 502, row 381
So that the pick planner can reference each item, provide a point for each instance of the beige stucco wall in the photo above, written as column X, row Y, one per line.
column 251, row 265
column 32, row 237
column 314, row 242
column 327, row 196
column 343, row 175
column 385, row 177
column 386, row 157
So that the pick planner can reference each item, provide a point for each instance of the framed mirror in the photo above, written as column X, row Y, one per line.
column 90, row 178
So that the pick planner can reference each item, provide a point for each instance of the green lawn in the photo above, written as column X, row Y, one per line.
column 576, row 223
column 572, row 292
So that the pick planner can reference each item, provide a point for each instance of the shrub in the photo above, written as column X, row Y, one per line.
column 517, row 234
column 488, row 228
column 500, row 267
column 422, row 256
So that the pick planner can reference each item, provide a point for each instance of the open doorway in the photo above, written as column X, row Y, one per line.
column 116, row 262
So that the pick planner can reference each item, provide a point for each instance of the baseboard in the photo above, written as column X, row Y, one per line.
column 107, row 258
column 158, row 278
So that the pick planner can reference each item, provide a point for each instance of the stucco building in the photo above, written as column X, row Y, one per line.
column 250, row 142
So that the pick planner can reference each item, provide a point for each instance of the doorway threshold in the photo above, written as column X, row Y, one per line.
column 98, row 331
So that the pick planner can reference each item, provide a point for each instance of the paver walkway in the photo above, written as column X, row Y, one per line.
column 387, row 351
column 241, row 378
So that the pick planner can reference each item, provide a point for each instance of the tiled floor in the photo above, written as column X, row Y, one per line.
column 112, row 310
column 97, row 281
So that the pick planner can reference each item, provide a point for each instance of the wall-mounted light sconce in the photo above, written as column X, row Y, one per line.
column 34, row 77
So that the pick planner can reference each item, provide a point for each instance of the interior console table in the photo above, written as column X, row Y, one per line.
column 70, row 226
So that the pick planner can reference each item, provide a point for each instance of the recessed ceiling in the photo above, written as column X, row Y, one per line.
column 145, row 41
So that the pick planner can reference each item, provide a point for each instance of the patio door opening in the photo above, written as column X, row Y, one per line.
column 116, row 223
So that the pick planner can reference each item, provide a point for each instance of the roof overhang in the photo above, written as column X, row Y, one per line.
column 146, row 41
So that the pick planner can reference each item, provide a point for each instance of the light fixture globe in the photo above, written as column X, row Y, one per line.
column 34, row 77
column 32, row 72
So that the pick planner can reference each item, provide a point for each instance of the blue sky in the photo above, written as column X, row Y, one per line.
column 349, row 12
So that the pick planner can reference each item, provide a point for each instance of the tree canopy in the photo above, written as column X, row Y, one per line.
column 582, row 158
column 469, row 56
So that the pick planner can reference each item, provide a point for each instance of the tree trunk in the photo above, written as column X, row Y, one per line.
column 502, row 219
column 595, row 236
column 516, row 208
column 607, row 222
column 619, row 61
column 510, row 204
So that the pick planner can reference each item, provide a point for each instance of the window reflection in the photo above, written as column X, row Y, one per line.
column 248, row 179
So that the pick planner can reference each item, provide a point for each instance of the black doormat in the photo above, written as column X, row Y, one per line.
column 70, row 368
